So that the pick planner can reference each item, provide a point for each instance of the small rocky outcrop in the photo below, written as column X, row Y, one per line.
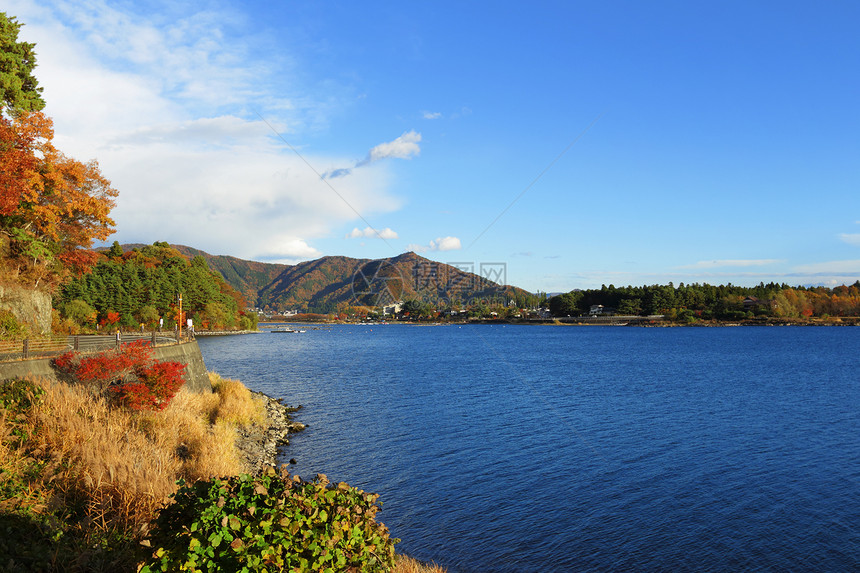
column 28, row 306
column 259, row 445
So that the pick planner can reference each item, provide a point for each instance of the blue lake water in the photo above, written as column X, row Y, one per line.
column 539, row 448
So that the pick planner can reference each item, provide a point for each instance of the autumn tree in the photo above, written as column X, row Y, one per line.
column 52, row 207
column 17, row 161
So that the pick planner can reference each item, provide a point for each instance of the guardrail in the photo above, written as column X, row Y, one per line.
column 27, row 349
column 38, row 348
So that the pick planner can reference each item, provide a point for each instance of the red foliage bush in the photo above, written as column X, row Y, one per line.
column 128, row 376
column 102, row 368
column 111, row 319
column 135, row 396
column 158, row 384
column 64, row 361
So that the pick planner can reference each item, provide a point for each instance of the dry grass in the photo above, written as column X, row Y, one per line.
column 122, row 466
column 116, row 472
column 405, row 564
column 117, row 468
column 204, row 444
column 236, row 405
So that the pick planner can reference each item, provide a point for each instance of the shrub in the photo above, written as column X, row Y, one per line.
column 270, row 523
column 110, row 319
column 79, row 312
column 27, row 539
column 248, row 321
column 10, row 327
column 129, row 376
column 148, row 315
column 17, row 396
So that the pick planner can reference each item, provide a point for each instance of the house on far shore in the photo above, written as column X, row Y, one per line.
column 600, row 310
column 751, row 303
column 393, row 308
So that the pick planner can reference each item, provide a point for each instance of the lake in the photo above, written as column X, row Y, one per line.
column 551, row 448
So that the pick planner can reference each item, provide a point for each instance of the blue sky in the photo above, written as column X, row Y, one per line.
column 579, row 143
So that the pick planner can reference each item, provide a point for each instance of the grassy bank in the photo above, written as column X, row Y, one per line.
column 81, row 481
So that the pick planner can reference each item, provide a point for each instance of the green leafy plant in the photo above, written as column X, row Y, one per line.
column 270, row 522
column 10, row 327
column 27, row 536
column 17, row 397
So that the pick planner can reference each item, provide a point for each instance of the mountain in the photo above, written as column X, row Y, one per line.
column 248, row 277
column 321, row 285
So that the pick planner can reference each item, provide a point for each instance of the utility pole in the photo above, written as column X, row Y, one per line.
column 179, row 322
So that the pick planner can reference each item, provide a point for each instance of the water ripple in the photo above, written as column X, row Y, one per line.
column 588, row 449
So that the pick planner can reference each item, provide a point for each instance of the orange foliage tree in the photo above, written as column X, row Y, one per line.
column 52, row 207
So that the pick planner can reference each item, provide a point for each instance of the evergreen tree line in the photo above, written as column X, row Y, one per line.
column 704, row 301
column 142, row 287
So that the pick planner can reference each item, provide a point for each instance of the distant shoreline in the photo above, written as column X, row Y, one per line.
column 198, row 333
column 636, row 321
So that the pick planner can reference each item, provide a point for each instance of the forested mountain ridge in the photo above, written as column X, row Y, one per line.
column 142, row 287
column 693, row 302
column 247, row 277
column 329, row 283
column 311, row 285
column 323, row 284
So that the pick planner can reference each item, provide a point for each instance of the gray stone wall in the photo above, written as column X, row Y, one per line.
column 29, row 306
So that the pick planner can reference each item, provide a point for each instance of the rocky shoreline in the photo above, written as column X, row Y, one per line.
column 259, row 445
column 198, row 333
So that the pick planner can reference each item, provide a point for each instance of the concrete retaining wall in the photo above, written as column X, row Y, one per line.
column 196, row 378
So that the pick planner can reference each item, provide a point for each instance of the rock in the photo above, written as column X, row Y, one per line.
column 259, row 445
column 28, row 306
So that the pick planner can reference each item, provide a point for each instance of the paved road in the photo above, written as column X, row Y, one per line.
column 81, row 343
column 88, row 343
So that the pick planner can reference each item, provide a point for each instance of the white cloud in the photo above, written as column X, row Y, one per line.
column 162, row 102
column 850, row 238
column 462, row 112
column 431, row 115
column 215, row 131
column 836, row 268
column 445, row 244
column 404, row 147
column 290, row 250
column 385, row 233
column 440, row 244
column 234, row 200
column 731, row 263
